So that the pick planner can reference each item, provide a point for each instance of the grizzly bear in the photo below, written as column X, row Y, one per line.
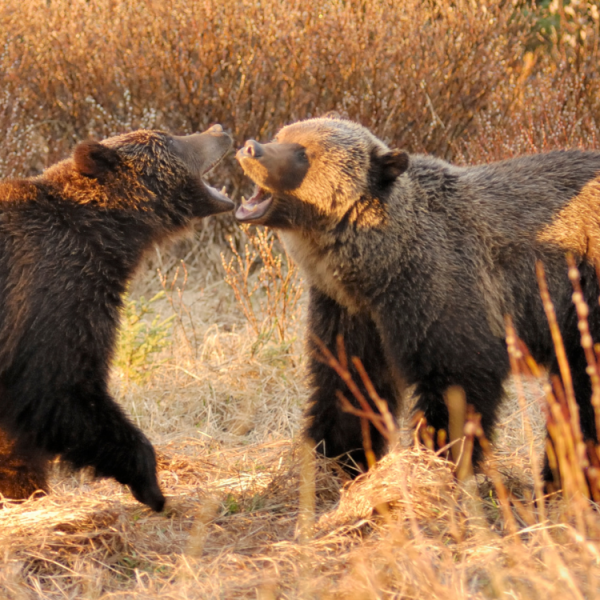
column 70, row 241
column 415, row 262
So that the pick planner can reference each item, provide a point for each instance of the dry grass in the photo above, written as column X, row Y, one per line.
column 224, row 418
column 470, row 81
column 230, row 532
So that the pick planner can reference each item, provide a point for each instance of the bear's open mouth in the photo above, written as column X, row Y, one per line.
column 218, row 195
column 255, row 207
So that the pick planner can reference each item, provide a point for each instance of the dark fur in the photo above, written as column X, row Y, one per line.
column 415, row 262
column 70, row 240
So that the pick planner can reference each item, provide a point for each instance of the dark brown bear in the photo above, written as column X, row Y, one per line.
column 70, row 240
column 416, row 261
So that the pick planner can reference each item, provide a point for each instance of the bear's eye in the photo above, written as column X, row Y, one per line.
column 301, row 154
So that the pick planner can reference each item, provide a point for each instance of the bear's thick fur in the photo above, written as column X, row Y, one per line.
column 416, row 261
column 70, row 240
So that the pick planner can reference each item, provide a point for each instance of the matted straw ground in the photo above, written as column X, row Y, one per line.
column 224, row 412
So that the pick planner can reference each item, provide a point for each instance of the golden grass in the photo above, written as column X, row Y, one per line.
column 230, row 532
column 225, row 421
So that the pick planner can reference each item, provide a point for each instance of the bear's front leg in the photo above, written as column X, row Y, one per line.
column 482, row 390
column 113, row 446
column 456, row 349
column 338, row 433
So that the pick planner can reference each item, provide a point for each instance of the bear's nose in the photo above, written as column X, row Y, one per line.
column 253, row 148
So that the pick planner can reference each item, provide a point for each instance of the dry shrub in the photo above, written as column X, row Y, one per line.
column 555, row 111
column 555, row 102
column 415, row 72
column 436, row 76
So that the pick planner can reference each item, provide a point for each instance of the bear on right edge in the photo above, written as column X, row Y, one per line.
column 416, row 261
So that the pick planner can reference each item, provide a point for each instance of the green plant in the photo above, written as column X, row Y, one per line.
column 140, row 338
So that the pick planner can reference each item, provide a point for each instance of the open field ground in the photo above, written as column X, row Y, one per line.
column 210, row 361
column 223, row 407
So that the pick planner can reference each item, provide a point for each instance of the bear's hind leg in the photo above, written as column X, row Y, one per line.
column 484, row 392
column 22, row 469
column 582, row 388
column 338, row 433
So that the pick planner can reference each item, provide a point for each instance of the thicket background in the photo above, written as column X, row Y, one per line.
column 468, row 81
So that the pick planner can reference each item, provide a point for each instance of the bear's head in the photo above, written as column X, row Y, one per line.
column 317, row 169
column 150, row 172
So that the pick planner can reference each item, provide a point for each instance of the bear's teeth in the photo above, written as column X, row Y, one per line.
column 244, row 201
column 224, row 190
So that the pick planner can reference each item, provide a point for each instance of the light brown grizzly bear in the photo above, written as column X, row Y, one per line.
column 70, row 241
column 416, row 261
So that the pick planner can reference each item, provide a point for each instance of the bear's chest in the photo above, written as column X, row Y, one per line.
column 323, row 269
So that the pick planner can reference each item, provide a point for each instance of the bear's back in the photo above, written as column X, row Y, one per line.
column 519, row 198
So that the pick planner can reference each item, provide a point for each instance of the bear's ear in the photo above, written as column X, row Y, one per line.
column 389, row 166
column 92, row 159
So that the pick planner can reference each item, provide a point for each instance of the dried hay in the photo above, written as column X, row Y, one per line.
column 405, row 529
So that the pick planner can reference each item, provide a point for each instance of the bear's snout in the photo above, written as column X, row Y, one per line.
column 253, row 149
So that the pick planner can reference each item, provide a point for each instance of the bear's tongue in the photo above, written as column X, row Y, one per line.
column 255, row 207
